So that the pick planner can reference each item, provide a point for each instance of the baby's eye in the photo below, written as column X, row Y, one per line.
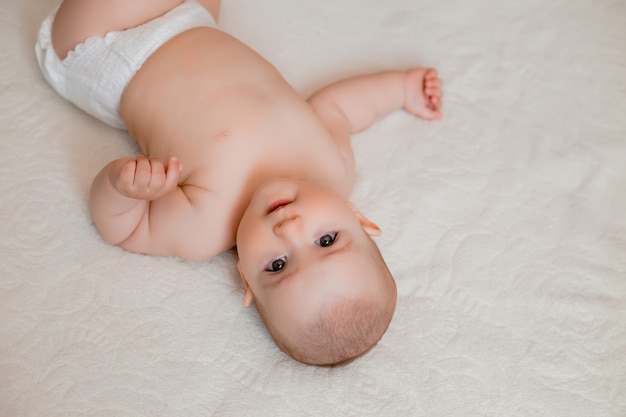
column 327, row 240
column 277, row 264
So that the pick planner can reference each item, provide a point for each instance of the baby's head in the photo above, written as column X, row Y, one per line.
column 317, row 278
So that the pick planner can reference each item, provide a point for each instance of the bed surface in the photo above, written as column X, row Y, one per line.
column 504, row 225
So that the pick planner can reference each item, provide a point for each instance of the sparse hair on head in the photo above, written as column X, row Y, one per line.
column 343, row 332
column 344, row 329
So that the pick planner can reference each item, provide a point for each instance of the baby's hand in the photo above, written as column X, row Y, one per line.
column 145, row 178
column 423, row 93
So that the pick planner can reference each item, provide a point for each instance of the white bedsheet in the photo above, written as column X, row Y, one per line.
column 504, row 225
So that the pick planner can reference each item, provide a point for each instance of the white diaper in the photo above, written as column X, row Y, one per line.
column 94, row 75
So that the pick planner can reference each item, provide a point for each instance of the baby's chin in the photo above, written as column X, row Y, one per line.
column 276, row 187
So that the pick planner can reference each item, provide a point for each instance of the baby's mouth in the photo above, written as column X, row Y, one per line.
column 277, row 204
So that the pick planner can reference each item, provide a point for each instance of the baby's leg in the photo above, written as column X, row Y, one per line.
column 77, row 20
column 213, row 6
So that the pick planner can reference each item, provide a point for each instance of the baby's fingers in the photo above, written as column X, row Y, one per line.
column 123, row 174
column 144, row 178
column 174, row 167
column 431, row 75
column 152, row 177
column 144, row 174
column 434, row 102
column 432, row 89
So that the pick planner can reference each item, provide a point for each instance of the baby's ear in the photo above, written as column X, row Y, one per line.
column 248, row 297
column 369, row 226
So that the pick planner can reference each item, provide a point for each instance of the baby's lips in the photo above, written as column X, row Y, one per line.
column 277, row 204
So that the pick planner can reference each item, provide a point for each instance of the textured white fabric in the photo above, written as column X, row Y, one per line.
column 94, row 75
column 504, row 225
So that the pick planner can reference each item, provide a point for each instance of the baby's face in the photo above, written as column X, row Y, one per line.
column 300, row 245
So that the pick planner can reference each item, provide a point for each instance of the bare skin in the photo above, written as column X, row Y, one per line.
column 215, row 128
column 233, row 155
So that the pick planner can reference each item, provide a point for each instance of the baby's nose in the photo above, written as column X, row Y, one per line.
column 289, row 227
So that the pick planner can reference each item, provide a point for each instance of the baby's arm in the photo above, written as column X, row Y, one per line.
column 121, row 192
column 358, row 101
column 136, row 203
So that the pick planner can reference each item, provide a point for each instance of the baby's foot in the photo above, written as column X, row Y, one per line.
column 423, row 93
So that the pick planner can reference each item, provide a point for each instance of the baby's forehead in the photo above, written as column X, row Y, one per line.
column 347, row 274
column 352, row 258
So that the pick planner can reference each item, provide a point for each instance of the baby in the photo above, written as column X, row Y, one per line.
column 233, row 156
